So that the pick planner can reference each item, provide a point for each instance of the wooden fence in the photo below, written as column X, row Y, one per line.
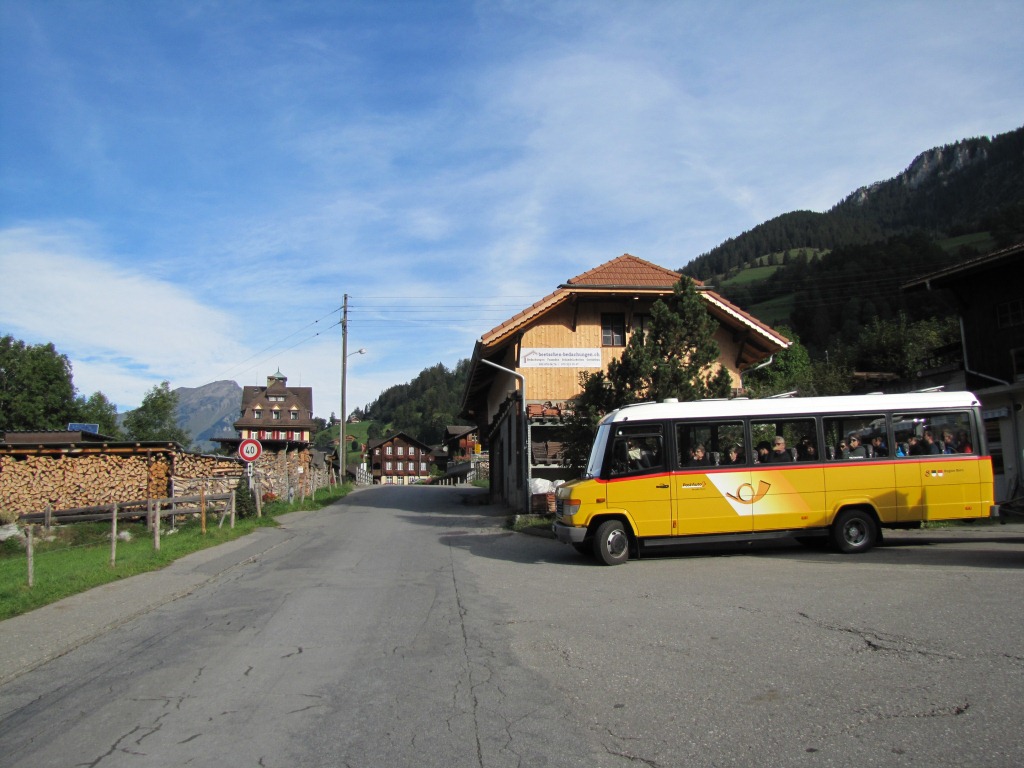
column 151, row 509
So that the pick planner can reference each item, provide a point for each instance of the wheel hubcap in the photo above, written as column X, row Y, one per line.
column 616, row 543
column 855, row 532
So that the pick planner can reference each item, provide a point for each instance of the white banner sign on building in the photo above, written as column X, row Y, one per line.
column 549, row 357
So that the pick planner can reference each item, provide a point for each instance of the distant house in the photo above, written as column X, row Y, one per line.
column 281, row 418
column 524, row 371
column 460, row 443
column 277, row 415
column 989, row 292
column 399, row 460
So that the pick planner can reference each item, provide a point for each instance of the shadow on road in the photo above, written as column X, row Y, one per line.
column 467, row 521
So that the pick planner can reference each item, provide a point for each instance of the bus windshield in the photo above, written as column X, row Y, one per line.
column 597, row 451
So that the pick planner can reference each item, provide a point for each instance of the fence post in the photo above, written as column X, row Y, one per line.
column 202, row 509
column 113, row 536
column 47, row 516
column 156, row 527
column 31, row 557
column 259, row 498
column 232, row 509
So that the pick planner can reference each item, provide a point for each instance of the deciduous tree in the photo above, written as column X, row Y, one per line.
column 155, row 419
column 36, row 391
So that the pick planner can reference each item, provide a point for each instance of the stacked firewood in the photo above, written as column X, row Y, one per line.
column 29, row 483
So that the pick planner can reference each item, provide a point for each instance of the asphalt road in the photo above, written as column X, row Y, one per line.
column 404, row 627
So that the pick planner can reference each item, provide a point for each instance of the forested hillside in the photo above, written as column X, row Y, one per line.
column 828, row 276
column 974, row 185
column 421, row 408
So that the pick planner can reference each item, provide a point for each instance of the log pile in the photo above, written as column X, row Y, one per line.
column 28, row 483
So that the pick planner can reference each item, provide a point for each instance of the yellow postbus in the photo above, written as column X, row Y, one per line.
column 819, row 469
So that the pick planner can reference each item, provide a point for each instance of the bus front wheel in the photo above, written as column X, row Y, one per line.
column 854, row 530
column 611, row 544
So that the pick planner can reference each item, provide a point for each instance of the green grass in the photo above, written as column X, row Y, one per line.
column 775, row 311
column 76, row 557
column 981, row 241
column 522, row 522
column 750, row 275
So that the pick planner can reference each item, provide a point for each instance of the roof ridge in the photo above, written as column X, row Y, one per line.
column 611, row 272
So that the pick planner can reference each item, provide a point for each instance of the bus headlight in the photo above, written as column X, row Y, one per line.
column 570, row 507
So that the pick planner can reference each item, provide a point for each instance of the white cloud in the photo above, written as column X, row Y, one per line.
column 107, row 318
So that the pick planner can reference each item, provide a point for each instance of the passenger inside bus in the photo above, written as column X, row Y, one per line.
column 854, row 448
column 697, row 456
column 733, row 455
column 779, row 452
column 807, row 450
column 878, row 446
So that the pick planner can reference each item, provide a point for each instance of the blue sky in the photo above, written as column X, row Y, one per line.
column 188, row 189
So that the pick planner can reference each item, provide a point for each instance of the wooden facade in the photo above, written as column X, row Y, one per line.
column 399, row 460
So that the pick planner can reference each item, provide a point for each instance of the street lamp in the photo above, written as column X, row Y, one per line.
column 345, row 355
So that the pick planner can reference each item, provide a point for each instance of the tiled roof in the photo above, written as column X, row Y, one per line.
column 627, row 270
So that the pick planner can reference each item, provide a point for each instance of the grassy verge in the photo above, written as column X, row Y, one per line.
column 76, row 557
column 520, row 523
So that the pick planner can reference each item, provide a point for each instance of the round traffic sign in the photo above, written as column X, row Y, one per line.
column 250, row 449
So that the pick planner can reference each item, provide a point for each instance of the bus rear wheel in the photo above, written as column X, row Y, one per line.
column 854, row 530
column 611, row 543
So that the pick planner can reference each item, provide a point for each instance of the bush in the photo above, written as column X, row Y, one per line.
column 8, row 516
column 268, row 497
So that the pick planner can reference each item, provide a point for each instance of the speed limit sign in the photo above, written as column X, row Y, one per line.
column 250, row 449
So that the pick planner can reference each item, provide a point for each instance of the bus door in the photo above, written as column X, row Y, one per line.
column 787, row 482
column 637, row 477
column 943, row 470
column 710, row 479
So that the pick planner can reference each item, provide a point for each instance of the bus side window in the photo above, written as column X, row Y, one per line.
column 635, row 453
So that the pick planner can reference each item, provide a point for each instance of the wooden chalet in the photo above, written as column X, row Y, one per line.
column 525, row 370
column 399, row 460
column 279, row 416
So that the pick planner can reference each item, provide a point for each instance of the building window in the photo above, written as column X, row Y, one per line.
column 275, row 415
column 641, row 323
column 387, row 466
column 423, row 467
column 257, row 414
column 412, row 466
column 401, row 451
column 613, row 329
column 1010, row 313
column 389, row 450
column 295, row 415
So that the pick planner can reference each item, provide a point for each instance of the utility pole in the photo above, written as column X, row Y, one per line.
column 342, row 448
